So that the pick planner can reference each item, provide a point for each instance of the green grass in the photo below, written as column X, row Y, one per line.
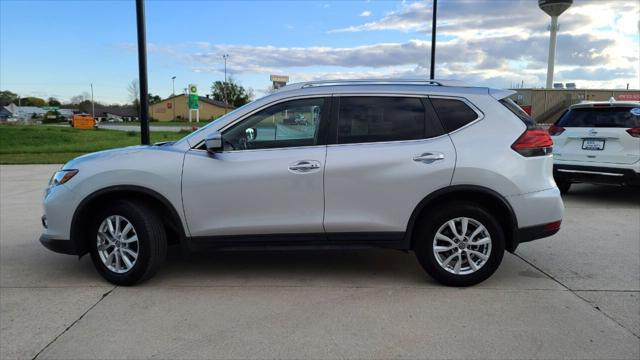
column 33, row 144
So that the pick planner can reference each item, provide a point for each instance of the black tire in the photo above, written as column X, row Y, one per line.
column 152, row 242
column 424, row 239
column 564, row 186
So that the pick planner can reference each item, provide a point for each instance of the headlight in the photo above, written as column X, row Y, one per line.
column 61, row 177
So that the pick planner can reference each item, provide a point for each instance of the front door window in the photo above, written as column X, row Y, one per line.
column 288, row 124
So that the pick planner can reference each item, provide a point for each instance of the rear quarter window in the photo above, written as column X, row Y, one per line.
column 521, row 114
column 453, row 114
column 616, row 117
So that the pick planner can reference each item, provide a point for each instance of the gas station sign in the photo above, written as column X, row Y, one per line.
column 193, row 97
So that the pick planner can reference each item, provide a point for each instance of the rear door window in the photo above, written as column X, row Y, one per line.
column 615, row 117
column 453, row 113
column 363, row 119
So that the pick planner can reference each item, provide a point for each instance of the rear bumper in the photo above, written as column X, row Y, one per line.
column 538, row 215
column 536, row 232
column 58, row 245
column 596, row 174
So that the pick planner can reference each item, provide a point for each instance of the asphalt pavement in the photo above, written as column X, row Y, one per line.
column 574, row 295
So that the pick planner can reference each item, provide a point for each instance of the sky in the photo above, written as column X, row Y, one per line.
column 58, row 48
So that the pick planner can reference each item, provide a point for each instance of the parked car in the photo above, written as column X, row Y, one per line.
column 597, row 142
column 456, row 174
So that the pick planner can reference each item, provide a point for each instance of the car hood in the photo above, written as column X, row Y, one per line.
column 108, row 154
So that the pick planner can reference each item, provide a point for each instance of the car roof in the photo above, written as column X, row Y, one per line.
column 370, row 86
column 600, row 104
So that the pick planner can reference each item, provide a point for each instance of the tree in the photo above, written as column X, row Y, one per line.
column 7, row 97
column 53, row 102
column 85, row 106
column 32, row 101
column 154, row 99
column 231, row 93
column 134, row 93
column 85, row 96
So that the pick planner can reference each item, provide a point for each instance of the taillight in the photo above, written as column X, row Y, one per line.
column 555, row 130
column 554, row 226
column 533, row 143
column 635, row 132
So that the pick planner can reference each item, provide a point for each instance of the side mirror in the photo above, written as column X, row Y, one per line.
column 213, row 142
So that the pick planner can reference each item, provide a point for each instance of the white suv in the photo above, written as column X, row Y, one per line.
column 457, row 174
column 597, row 142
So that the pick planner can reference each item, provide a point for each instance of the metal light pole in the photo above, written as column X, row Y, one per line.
column 433, row 40
column 173, row 96
column 224, row 87
column 142, row 70
column 93, row 104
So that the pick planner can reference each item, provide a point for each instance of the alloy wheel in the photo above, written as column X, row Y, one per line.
column 462, row 246
column 117, row 244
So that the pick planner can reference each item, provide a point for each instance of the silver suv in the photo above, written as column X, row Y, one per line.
column 457, row 174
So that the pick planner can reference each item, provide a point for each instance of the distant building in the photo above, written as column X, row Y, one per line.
column 116, row 113
column 25, row 112
column 175, row 108
column 5, row 114
column 546, row 105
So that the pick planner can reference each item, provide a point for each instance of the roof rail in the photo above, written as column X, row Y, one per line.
column 308, row 84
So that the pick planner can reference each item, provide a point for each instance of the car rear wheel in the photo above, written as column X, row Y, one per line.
column 128, row 242
column 461, row 244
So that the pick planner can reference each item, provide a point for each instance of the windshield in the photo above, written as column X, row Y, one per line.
column 616, row 117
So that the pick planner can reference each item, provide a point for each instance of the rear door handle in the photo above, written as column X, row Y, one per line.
column 428, row 158
column 304, row 166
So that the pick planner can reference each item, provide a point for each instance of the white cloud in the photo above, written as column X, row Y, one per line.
column 598, row 45
column 365, row 13
column 593, row 35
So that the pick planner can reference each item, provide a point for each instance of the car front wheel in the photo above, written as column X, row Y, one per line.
column 128, row 242
column 460, row 244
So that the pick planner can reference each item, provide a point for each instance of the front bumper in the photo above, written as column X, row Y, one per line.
column 595, row 174
column 58, row 245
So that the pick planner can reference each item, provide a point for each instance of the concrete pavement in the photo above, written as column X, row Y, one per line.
column 574, row 295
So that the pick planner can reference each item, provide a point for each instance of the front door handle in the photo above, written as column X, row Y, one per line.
column 428, row 158
column 304, row 166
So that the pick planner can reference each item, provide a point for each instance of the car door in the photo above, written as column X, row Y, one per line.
column 388, row 153
column 267, row 180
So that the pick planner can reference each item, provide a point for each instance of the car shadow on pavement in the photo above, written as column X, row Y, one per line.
column 292, row 268
column 587, row 194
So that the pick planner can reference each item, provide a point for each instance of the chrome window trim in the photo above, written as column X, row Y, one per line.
column 267, row 149
column 389, row 142
column 473, row 107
